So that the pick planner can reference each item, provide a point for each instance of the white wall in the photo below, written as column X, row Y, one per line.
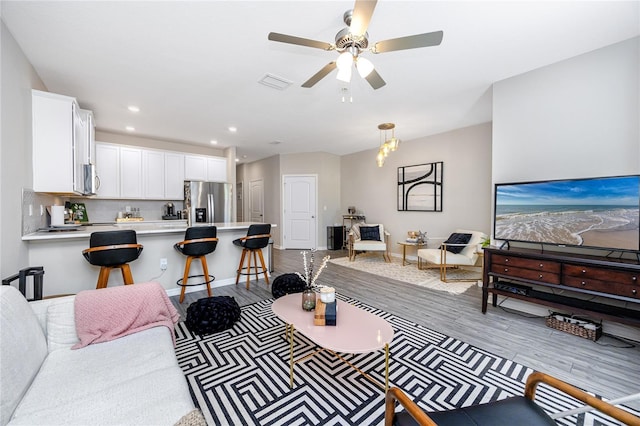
column 268, row 170
column 576, row 118
column 18, row 78
column 327, row 168
column 466, row 154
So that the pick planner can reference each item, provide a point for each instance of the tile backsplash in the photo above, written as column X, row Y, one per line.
column 98, row 210
column 107, row 210
column 32, row 220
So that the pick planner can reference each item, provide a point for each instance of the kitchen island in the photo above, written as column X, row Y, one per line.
column 67, row 272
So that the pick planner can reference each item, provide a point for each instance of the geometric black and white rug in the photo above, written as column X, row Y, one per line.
column 241, row 376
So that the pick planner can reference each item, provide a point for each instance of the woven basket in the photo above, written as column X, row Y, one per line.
column 575, row 329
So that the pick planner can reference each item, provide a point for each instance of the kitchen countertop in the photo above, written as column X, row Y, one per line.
column 141, row 228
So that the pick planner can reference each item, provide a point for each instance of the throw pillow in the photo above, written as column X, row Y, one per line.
column 370, row 233
column 457, row 238
column 61, row 325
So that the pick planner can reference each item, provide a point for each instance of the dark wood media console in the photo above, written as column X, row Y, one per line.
column 511, row 273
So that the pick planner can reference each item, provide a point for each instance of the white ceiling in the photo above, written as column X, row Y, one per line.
column 193, row 67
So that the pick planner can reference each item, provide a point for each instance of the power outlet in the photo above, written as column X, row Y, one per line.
column 163, row 264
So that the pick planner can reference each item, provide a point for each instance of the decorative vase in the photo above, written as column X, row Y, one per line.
column 308, row 299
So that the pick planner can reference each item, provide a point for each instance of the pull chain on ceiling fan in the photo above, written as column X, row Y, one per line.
column 352, row 41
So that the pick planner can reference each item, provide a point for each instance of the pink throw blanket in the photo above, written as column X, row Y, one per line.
column 110, row 313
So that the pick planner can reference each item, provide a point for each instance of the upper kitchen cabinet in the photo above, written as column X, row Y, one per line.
column 216, row 169
column 209, row 169
column 130, row 172
column 195, row 167
column 62, row 145
column 174, row 176
column 153, row 174
column 108, row 170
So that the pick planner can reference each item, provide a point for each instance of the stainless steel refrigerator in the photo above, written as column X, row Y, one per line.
column 208, row 202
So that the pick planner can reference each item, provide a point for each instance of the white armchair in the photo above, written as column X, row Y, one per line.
column 368, row 237
column 460, row 249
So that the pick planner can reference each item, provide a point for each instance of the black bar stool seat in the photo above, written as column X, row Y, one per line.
column 258, row 236
column 199, row 241
column 113, row 249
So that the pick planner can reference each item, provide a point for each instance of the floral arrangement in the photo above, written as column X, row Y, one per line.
column 309, row 277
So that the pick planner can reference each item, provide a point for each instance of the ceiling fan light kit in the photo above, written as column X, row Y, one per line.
column 350, row 42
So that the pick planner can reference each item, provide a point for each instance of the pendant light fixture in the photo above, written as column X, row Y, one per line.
column 387, row 145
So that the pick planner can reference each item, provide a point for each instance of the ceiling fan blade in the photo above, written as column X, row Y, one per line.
column 320, row 74
column 375, row 80
column 283, row 38
column 362, row 12
column 409, row 42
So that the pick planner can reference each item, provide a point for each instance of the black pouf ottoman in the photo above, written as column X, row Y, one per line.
column 287, row 284
column 212, row 314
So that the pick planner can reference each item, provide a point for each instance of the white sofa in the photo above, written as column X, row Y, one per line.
column 131, row 380
column 445, row 257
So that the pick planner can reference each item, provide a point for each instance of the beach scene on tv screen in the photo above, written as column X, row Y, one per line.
column 600, row 212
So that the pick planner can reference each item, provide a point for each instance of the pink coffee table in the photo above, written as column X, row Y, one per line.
column 356, row 331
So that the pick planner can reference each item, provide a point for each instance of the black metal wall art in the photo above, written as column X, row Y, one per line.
column 420, row 187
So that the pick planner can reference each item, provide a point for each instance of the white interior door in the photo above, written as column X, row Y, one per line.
column 300, row 223
column 256, row 200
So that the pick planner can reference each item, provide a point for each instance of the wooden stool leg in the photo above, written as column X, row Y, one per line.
column 203, row 260
column 103, row 277
column 264, row 268
column 185, row 277
column 255, row 265
column 126, row 274
column 244, row 252
column 249, row 271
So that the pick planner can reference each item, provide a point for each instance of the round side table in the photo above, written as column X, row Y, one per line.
column 406, row 244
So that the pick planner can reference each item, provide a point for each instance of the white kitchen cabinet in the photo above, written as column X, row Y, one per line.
column 56, row 124
column 153, row 174
column 205, row 168
column 174, row 176
column 130, row 172
column 107, row 160
column 216, row 169
column 195, row 167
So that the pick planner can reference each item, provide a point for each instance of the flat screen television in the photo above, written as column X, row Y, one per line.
column 601, row 212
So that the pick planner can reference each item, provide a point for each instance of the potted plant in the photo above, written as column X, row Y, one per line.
column 486, row 242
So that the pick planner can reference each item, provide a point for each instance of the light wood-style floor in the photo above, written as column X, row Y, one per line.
column 608, row 367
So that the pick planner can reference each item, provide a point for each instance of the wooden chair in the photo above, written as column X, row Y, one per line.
column 199, row 241
column 113, row 249
column 505, row 412
column 258, row 236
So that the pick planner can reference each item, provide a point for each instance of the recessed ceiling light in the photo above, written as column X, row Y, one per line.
column 130, row 129
column 275, row 142
column 233, row 129
column 133, row 108
column 237, row 160
column 214, row 142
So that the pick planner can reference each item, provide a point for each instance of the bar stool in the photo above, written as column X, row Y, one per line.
column 198, row 242
column 257, row 238
column 113, row 249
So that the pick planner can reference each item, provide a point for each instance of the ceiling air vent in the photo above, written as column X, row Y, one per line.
column 274, row 81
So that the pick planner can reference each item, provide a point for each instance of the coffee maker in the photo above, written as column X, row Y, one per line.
column 169, row 212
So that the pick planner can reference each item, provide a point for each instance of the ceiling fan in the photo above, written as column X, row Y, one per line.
column 352, row 41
